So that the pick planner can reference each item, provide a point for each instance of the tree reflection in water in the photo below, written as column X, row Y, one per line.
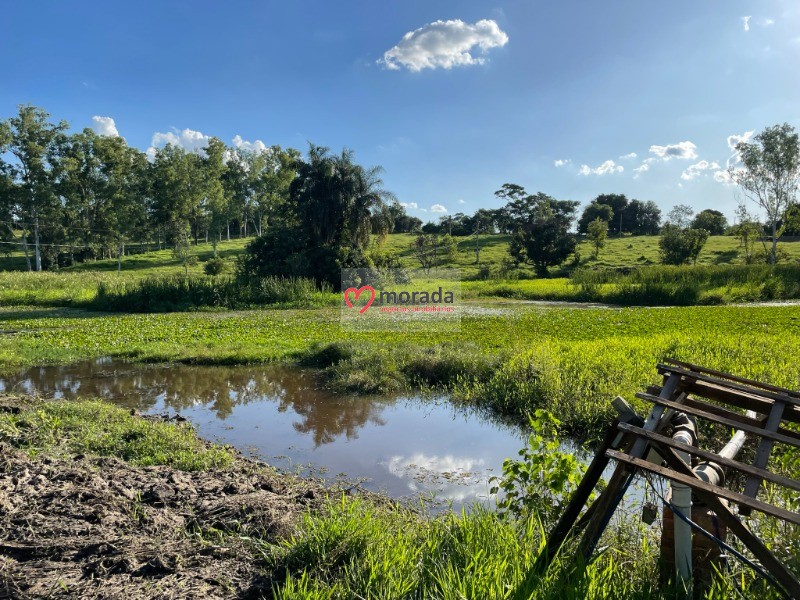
column 325, row 416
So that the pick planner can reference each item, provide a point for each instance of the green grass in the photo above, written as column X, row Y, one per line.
column 515, row 361
column 102, row 429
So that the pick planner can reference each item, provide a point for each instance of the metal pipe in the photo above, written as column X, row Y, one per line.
column 713, row 473
column 684, row 430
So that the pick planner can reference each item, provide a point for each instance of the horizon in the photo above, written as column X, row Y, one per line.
column 493, row 93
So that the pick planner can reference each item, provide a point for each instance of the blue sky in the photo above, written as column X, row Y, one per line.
column 477, row 93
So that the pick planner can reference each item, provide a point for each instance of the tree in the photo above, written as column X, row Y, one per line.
column 642, row 218
column 618, row 204
column 34, row 142
column 770, row 174
column 748, row 230
column 711, row 220
column 184, row 253
column 592, row 212
column 215, row 200
column 546, row 238
column 425, row 250
column 598, row 232
column 680, row 216
column 326, row 222
column 680, row 246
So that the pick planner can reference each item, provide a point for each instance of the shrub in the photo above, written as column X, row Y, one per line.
column 214, row 266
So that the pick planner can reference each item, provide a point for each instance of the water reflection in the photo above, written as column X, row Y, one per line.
column 402, row 445
column 324, row 416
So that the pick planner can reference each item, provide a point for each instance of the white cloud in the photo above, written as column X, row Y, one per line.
column 746, row 22
column 684, row 150
column 734, row 139
column 104, row 126
column 188, row 139
column 256, row 146
column 643, row 168
column 438, row 208
column 766, row 22
column 608, row 166
column 462, row 201
column 723, row 177
column 628, row 156
column 412, row 205
column 444, row 44
column 562, row 162
column 697, row 169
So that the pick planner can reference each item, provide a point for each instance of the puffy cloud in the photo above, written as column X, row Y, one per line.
column 256, row 146
column 735, row 139
column 562, row 162
column 608, row 166
column 696, row 169
column 684, row 150
column 444, row 44
column 188, row 139
column 438, row 208
column 409, row 205
column 767, row 22
column 642, row 168
column 746, row 22
column 104, row 126
column 462, row 201
column 723, row 177
column 629, row 156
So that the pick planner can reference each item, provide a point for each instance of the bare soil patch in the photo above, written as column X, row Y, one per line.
column 89, row 527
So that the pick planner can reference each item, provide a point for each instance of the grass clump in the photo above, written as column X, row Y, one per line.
column 99, row 428
column 176, row 293
column 353, row 549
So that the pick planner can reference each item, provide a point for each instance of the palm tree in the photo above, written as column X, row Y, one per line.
column 336, row 198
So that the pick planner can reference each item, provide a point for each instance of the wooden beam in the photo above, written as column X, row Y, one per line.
column 712, row 457
column 571, row 513
column 696, row 484
column 721, row 420
column 753, row 482
column 736, row 398
column 723, row 375
column 734, row 416
column 776, row 568
column 788, row 398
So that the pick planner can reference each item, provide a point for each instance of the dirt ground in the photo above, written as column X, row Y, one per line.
column 82, row 527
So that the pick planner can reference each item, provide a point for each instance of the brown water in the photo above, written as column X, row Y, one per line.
column 402, row 445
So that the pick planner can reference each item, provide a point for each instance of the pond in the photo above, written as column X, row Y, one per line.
column 402, row 445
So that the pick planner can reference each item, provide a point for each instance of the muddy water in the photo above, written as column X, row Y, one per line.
column 401, row 445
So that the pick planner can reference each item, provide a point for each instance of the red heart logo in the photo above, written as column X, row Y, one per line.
column 357, row 293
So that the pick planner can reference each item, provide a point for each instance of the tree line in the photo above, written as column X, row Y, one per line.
column 67, row 197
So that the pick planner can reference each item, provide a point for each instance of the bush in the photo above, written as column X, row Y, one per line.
column 214, row 266
column 680, row 246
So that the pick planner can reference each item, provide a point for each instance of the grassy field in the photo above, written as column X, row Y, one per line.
column 508, row 356
column 513, row 358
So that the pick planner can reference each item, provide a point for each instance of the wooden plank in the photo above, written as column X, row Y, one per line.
column 652, row 421
column 710, row 456
column 696, row 484
column 734, row 416
column 775, row 567
column 738, row 399
column 736, row 378
column 789, row 399
column 603, row 508
column 778, row 437
column 566, row 522
column 753, row 482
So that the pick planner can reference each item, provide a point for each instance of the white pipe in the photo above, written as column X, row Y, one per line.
column 711, row 472
column 682, row 500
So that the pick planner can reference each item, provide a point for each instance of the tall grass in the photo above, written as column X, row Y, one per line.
column 175, row 293
column 689, row 285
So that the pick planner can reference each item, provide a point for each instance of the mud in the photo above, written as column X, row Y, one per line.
column 88, row 527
